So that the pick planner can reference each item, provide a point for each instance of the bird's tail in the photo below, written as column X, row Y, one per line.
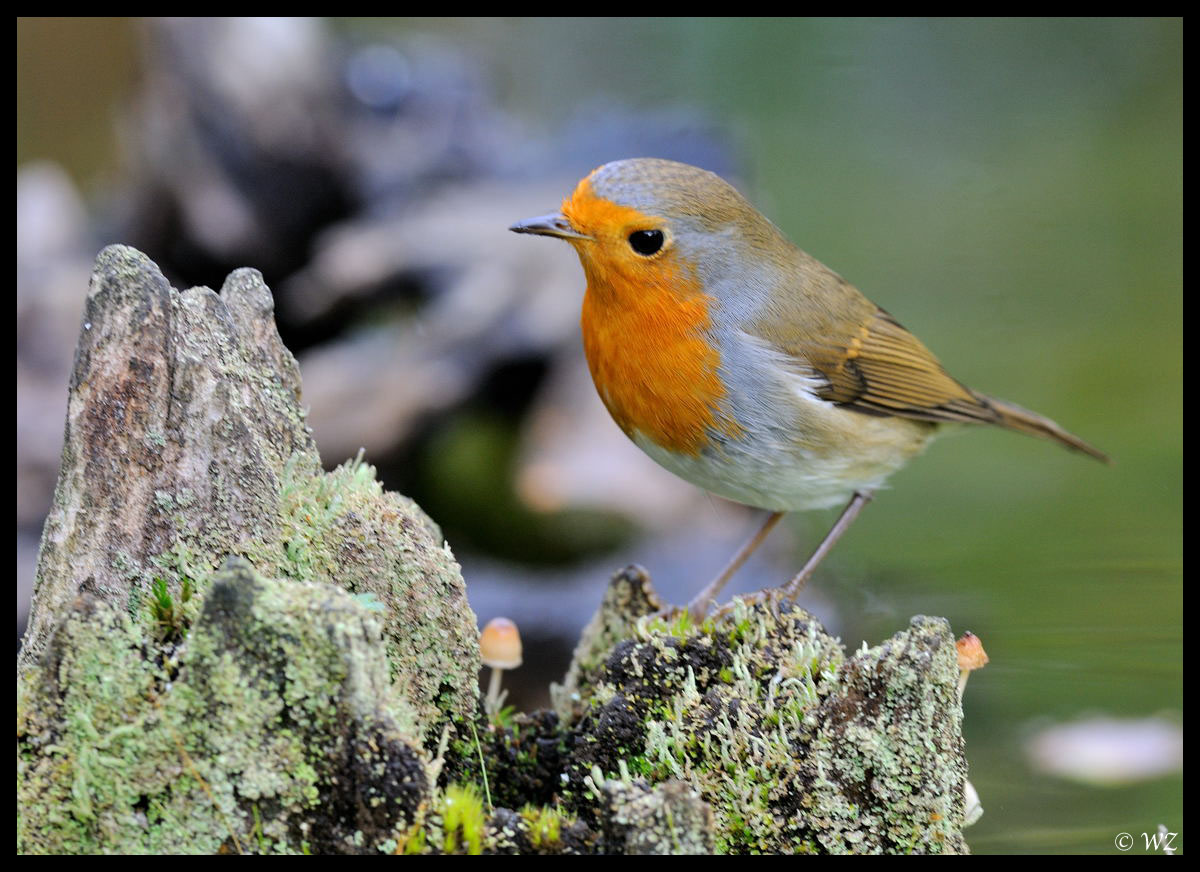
column 1016, row 418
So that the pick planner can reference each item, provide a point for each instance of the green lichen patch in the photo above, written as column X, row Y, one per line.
column 342, row 527
column 670, row 818
column 278, row 729
column 886, row 766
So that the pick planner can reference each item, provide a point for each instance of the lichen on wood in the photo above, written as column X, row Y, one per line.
column 282, row 702
column 794, row 745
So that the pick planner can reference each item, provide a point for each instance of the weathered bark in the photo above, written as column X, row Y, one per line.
column 183, row 413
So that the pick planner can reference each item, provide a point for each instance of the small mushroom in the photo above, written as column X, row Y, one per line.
column 499, row 648
column 971, row 656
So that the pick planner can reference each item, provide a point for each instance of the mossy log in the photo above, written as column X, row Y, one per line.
column 231, row 650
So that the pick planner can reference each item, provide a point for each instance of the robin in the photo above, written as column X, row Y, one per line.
column 744, row 365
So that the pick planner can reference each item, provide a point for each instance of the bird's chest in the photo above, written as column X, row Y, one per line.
column 654, row 368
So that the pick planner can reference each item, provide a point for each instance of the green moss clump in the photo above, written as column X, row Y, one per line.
column 545, row 827
column 462, row 820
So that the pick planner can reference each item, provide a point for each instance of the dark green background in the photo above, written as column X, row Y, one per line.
column 1012, row 191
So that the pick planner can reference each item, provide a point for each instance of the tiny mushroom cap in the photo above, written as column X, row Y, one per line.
column 500, row 644
column 970, row 652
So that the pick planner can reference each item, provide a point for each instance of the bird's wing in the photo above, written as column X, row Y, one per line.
column 874, row 365
column 867, row 362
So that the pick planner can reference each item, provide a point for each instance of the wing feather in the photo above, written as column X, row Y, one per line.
column 878, row 367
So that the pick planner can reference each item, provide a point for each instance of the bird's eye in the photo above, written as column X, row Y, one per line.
column 646, row 242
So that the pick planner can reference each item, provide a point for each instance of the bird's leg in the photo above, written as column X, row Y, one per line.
column 790, row 590
column 698, row 607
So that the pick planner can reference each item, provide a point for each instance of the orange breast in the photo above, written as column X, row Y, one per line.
column 653, row 367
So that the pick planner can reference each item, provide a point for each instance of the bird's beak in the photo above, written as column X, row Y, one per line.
column 554, row 224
